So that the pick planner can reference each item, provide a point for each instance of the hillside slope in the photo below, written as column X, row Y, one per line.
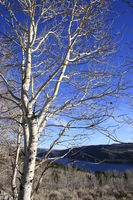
column 115, row 153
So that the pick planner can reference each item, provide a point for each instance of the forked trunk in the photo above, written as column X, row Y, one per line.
column 29, row 163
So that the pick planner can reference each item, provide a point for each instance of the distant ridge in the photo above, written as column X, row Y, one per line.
column 114, row 153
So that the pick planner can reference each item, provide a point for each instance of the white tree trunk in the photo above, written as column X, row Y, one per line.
column 15, row 169
column 29, row 163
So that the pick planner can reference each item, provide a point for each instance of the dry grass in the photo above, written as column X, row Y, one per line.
column 72, row 184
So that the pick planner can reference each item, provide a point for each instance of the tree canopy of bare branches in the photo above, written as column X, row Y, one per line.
column 55, row 64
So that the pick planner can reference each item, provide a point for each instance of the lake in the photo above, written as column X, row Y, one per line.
column 95, row 166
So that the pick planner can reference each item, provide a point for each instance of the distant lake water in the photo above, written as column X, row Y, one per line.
column 95, row 166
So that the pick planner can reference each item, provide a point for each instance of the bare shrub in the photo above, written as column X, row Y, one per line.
column 55, row 195
column 82, row 193
column 88, row 198
column 69, row 195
